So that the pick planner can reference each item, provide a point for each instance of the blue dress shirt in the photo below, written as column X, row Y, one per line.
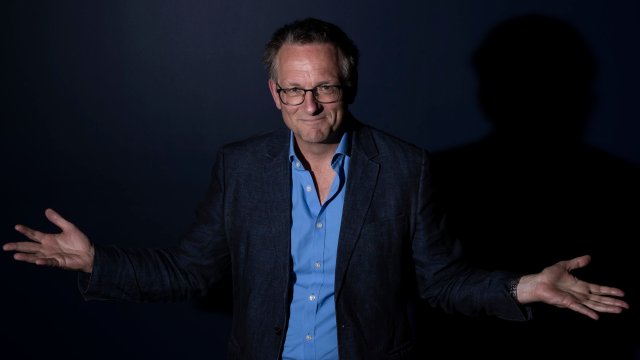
column 311, row 333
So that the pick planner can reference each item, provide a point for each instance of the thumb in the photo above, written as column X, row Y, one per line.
column 58, row 220
column 579, row 262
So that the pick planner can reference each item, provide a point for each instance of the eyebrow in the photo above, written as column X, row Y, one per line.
column 297, row 85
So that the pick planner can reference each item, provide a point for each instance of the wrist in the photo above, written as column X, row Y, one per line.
column 91, row 255
column 512, row 286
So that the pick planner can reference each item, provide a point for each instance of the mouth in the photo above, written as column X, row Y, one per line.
column 316, row 119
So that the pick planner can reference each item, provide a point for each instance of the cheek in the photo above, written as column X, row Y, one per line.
column 287, row 115
column 337, row 116
column 287, row 111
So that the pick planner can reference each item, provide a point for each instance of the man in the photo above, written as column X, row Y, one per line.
column 328, row 229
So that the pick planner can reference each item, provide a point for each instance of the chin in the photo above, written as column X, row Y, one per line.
column 315, row 140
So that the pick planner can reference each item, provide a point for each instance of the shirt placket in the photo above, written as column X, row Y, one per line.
column 317, row 249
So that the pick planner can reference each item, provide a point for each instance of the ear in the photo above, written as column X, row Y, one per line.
column 274, row 93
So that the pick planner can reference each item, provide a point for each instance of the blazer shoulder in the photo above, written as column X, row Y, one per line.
column 387, row 145
column 268, row 143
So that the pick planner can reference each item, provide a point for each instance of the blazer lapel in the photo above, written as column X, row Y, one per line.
column 276, row 174
column 361, row 182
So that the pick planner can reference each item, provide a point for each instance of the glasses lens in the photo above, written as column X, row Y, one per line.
column 327, row 94
column 323, row 94
column 292, row 96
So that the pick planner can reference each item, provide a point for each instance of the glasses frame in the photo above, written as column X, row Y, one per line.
column 314, row 92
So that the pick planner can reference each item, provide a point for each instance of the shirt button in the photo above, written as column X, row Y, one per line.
column 319, row 225
column 308, row 337
column 308, row 188
column 298, row 164
column 317, row 264
column 312, row 297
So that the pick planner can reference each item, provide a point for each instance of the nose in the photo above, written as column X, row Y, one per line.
column 311, row 106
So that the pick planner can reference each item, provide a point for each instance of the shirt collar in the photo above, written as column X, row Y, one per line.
column 342, row 150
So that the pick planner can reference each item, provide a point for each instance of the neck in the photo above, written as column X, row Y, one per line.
column 317, row 153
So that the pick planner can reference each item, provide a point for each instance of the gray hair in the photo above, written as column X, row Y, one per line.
column 310, row 31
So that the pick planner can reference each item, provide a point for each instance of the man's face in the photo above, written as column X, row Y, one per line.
column 305, row 67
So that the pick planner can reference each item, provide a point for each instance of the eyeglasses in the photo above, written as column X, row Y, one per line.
column 323, row 94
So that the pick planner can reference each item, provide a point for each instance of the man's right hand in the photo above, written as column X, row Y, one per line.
column 69, row 249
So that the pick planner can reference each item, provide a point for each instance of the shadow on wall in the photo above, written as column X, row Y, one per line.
column 532, row 193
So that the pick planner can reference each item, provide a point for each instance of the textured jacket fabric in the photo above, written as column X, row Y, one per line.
column 393, row 245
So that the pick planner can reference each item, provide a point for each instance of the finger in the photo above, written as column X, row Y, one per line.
column 582, row 309
column 605, row 290
column 35, row 259
column 9, row 247
column 34, row 235
column 30, row 258
column 603, row 307
column 25, row 247
column 607, row 301
column 57, row 219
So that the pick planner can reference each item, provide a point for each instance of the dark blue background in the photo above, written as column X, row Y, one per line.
column 112, row 112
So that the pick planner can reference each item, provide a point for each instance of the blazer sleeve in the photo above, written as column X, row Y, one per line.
column 170, row 274
column 444, row 279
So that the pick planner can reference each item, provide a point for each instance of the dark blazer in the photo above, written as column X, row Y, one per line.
column 393, row 245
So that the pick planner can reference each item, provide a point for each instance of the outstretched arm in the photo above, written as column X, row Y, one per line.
column 69, row 249
column 555, row 285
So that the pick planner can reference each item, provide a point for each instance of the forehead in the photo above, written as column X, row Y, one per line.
column 308, row 60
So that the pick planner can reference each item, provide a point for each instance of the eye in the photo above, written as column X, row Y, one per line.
column 293, row 92
column 325, row 89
